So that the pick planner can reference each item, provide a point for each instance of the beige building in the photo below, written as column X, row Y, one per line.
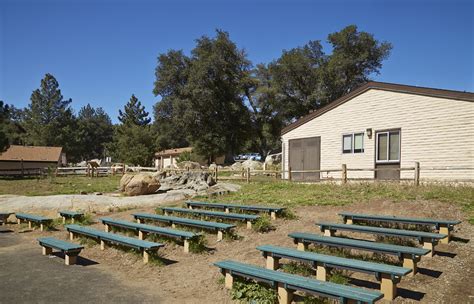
column 382, row 125
column 27, row 158
column 168, row 158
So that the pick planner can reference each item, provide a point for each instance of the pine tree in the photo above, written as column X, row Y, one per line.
column 134, row 113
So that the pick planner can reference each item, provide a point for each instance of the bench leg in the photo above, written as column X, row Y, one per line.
column 70, row 259
column 166, row 213
column 388, row 287
column 139, row 221
column 186, row 246
column 102, row 245
column 409, row 262
column 445, row 230
column 249, row 225
column 427, row 244
column 173, row 225
column 302, row 246
column 273, row 263
column 71, row 236
column 64, row 219
column 220, row 235
column 190, row 207
column 106, row 228
column 41, row 227
column 72, row 220
column 146, row 257
column 141, row 235
column 328, row 232
column 229, row 280
column 321, row 272
column 285, row 296
column 47, row 250
column 227, row 210
column 18, row 221
column 273, row 215
column 29, row 224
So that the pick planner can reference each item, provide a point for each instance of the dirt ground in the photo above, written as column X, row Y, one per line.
column 117, row 276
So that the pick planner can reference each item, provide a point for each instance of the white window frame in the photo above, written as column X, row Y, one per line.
column 353, row 142
column 388, row 160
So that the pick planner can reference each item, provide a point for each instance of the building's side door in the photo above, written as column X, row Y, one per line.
column 387, row 154
column 305, row 154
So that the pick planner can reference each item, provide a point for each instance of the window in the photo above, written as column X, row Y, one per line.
column 388, row 146
column 353, row 143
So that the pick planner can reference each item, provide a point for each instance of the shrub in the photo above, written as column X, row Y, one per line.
column 298, row 268
column 339, row 277
column 288, row 214
column 85, row 220
column 198, row 244
column 250, row 292
column 263, row 224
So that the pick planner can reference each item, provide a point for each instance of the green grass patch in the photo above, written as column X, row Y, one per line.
column 298, row 268
column 288, row 214
column 198, row 244
column 87, row 242
column 263, row 224
column 250, row 292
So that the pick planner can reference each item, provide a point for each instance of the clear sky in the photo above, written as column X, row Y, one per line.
column 103, row 51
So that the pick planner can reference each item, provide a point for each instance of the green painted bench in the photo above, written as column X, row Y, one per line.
column 143, row 230
column 31, row 218
column 427, row 239
column 273, row 211
column 4, row 217
column 249, row 218
column 144, row 246
column 287, row 284
column 70, row 250
column 443, row 226
column 172, row 220
column 388, row 275
column 409, row 255
column 70, row 214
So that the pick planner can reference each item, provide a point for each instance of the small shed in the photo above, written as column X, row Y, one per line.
column 169, row 157
column 382, row 127
column 17, row 159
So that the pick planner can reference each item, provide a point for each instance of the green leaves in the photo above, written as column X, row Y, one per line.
column 250, row 292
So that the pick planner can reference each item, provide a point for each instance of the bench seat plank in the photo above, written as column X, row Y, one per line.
column 233, row 216
column 234, row 206
column 32, row 217
column 184, row 221
column 149, row 228
column 420, row 235
column 346, row 263
column 295, row 282
column 59, row 244
column 115, row 238
column 358, row 244
column 70, row 213
column 407, row 220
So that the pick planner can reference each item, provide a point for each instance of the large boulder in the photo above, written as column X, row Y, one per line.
column 139, row 184
column 273, row 159
column 197, row 181
column 252, row 164
column 189, row 165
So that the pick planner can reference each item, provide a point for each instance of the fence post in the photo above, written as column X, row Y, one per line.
column 417, row 173
column 289, row 174
column 123, row 169
column 216, row 170
column 248, row 175
column 344, row 173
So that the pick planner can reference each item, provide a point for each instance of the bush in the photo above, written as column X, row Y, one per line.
column 263, row 224
column 288, row 214
column 250, row 292
column 198, row 244
column 85, row 220
column 298, row 268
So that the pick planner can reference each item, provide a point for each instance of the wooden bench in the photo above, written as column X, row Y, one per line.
column 144, row 246
column 442, row 226
column 172, row 220
column 4, row 217
column 409, row 255
column 143, row 230
column 388, row 275
column 30, row 218
column 287, row 284
column 70, row 250
column 249, row 218
column 273, row 211
column 70, row 214
column 427, row 239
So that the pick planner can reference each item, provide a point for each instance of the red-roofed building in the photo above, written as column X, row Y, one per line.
column 17, row 158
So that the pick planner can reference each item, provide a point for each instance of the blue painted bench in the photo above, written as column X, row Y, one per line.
column 31, row 218
column 249, row 218
column 388, row 275
column 172, row 220
column 286, row 284
column 70, row 214
column 70, row 250
column 427, row 239
column 409, row 255
column 443, row 226
column 4, row 217
column 273, row 211
column 143, row 230
column 144, row 246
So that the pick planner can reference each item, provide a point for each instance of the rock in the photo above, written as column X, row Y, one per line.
column 197, row 181
column 140, row 184
column 237, row 166
column 126, row 178
column 189, row 165
column 252, row 164
column 212, row 167
column 223, row 188
column 273, row 159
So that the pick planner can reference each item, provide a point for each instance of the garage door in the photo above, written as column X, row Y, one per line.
column 305, row 154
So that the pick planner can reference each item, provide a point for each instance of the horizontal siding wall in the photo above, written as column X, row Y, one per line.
column 436, row 132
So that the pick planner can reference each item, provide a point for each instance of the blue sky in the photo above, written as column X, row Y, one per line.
column 104, row 51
